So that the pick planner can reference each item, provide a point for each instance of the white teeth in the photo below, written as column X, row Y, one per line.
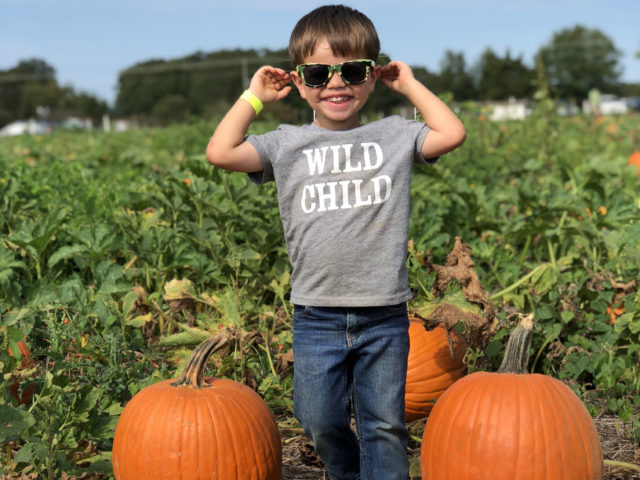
column 337, row 99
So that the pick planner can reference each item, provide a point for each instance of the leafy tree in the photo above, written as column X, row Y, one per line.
column 501, row 78
column 578, row 59
column 454, row 76
column 32, row 74
column 32, row 84
column 201, row 79
column 36, row 94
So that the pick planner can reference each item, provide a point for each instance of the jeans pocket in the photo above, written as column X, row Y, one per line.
column 397, row 310
column 301, row 311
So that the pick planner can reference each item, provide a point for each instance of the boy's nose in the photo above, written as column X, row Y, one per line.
column 335, row 80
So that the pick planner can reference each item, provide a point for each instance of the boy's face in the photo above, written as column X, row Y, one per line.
column 336, row 104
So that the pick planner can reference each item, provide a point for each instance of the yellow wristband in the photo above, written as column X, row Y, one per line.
column 253, row 100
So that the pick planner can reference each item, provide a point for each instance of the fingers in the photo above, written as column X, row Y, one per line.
column 278, row 77
column 389, row 74
column 270, row 83
column 396, row 75
column 390, row 70
column 394, row 69
column 284, row 92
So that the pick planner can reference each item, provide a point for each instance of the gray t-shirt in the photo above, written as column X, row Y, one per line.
column 344, row 205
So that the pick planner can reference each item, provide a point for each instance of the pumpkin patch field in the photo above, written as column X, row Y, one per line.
column 120, row 253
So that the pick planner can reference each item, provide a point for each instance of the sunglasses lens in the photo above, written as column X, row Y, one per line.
column 316, row 75
column 354, row 72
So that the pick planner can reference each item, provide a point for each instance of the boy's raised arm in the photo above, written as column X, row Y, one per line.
column 227, row 148
column 447, row 131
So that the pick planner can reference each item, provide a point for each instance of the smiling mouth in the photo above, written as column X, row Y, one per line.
column 341, row 99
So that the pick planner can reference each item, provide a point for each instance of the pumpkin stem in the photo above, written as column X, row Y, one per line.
column 193, row 373
column 516, row 355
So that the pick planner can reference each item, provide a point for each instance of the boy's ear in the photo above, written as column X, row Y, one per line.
column 373, row 75
column 297, row 81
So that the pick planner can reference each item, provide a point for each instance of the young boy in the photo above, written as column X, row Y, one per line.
column 343, row 193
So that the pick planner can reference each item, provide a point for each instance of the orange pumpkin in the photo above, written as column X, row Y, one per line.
column 194, row 428
column 26, row 396
column 511, row 425
column 634, row 160
column 431, row 369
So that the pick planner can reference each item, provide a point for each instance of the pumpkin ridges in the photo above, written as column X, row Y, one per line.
column 535, row 436
column 449, row 416
column 189, row 437
column 429, row 352
column 258, row 424
column 231, row 410
column 263, row 431
column 573, row 407
column 491, row 404
column 205, row 422
column 562, row 430
column 223, row 434
column 533, row 415
column 174, row 442
column 547, row 417
column 211, row 406
column 140, row 434
column 227, row 464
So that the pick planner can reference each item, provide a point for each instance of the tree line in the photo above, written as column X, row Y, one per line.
column 160, row 91
column 31, row 87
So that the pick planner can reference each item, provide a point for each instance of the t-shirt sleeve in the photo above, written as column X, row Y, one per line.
column 420, row 130
column 265, row 144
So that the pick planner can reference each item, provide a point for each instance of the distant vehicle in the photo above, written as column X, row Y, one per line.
column 31, row 127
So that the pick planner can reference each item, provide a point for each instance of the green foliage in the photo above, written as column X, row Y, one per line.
column 119, row 252
column 32, row 84
column 501, row 78
column 551, row 212
column 578, row 59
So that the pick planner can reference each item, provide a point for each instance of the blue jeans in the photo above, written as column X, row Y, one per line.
column 346, row 357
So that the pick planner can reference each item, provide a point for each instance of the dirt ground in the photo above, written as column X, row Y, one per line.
column 301, row 463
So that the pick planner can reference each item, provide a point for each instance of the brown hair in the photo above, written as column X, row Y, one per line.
column 349, row 33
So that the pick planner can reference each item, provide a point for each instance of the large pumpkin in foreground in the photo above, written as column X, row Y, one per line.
column 510, row 425
column 431, row 368
column 195, row 429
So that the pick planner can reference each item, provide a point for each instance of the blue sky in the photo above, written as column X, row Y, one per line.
column 89, row 42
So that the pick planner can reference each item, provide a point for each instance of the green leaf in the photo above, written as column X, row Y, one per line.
column 88, row 400
column 250, row 254
column 114, row 409
column 65, row 253
column 191, row 336
column 544, row 279
column 140, row 320
column 128, row 302
column 31, row 451
column 13, row 422
column 178, row 289
column 566, row 316
column 99, row 463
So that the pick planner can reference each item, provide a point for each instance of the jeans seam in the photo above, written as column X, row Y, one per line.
column 364, row 460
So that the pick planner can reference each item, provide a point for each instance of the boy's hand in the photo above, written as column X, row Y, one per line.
column 270, row 84
column 397, row 76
